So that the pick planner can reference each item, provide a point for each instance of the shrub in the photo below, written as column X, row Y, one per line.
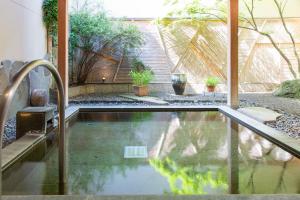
column 141, row 78
column 96, row 36
column 138, row 65
column 212, row 81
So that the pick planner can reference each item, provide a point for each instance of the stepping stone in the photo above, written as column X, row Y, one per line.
column 149, row 99
column 261, row 114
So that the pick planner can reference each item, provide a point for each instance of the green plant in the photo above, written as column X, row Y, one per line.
column 138, row 65
column 50, row 12
column 141, row 78
column 212, row 81
column 95, row 37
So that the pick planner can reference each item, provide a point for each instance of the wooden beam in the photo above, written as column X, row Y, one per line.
column 63, row 33
column 232, row 75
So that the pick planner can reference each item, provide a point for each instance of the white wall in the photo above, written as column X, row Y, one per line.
column 22, row 34
column 267, row 9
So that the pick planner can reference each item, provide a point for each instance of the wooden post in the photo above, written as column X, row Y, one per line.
column 63, row 45
column 233, row 82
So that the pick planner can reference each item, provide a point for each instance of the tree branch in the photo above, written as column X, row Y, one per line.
column 281, row 10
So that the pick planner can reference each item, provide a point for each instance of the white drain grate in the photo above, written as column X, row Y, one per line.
column 135, row 152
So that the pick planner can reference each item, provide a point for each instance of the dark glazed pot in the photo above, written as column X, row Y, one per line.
column 179, row 83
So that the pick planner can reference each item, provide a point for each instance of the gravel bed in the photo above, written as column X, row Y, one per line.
column 289, row 122
column 9, row 132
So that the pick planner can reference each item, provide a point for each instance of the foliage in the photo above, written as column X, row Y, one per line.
column 192, row 181
column 196, row 9
column 50, row 13
column 141, row 78
column 212, row 81
column 138, row 65
column 290, row 89
column 95, row 36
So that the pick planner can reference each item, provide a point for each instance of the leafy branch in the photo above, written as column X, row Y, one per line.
column 196, row 10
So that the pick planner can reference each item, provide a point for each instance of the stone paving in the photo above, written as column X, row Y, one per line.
column 261, row 114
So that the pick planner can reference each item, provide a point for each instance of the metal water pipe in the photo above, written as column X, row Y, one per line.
column 7, row 99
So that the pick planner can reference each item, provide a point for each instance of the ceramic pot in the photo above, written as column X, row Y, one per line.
column 39, row 97
column 141, row 90
column 178, row 83
column 211, row 88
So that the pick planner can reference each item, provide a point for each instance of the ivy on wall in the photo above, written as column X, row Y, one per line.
column 50, row 13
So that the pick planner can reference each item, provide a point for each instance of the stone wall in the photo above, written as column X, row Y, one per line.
column 37, row 79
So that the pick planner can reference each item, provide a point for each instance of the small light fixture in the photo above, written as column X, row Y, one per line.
column 103, row 79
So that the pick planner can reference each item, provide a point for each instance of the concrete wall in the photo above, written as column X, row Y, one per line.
column 22, row 34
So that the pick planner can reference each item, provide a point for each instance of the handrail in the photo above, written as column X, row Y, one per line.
column 7, row 100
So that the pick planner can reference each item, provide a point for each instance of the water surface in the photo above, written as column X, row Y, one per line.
column 167, row 153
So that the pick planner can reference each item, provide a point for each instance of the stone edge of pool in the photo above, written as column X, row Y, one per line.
column 157, row 197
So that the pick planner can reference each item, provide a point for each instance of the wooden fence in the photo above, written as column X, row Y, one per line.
column 199, row 50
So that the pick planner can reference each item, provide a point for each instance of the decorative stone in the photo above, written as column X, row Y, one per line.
column 290, row 89
column 148, row 99
column 261, row 114
column 39, row 97
column 4, row 78
column 7, row 74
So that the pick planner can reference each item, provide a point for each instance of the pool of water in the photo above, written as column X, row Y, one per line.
column 140, row 153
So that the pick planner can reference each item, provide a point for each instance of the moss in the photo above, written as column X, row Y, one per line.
column 290, row 89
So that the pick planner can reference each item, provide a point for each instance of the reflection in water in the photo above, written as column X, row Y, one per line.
column 190, row 180
column 189, row 153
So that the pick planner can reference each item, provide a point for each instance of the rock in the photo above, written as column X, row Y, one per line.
column 4, row 76
column 290, row 89
column 7, row 74
column 261, row 114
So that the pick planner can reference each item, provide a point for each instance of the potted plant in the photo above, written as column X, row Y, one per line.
column 211, row 83
column 178, row 83
column 141, row 80
column 141, row 76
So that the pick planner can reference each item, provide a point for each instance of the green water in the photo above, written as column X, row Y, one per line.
column 187, row 153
